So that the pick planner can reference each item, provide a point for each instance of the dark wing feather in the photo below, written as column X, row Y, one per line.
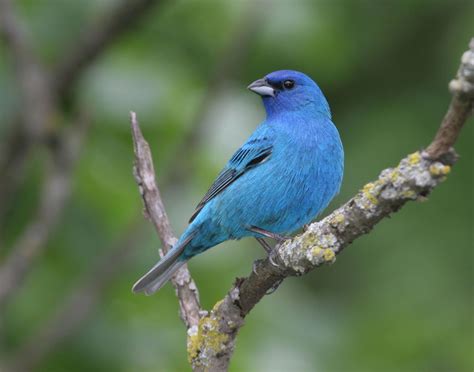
column 248, row 156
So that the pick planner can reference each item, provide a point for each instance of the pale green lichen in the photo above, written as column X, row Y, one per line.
column 316, row 251
column 193, row 343
column 309, row 240
column 394, row 174
column 329, row 256
column 205, row 339
column 337, row 220
column 408, row 194
column 370, row 192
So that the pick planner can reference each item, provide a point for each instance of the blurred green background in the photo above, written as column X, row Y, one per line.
column 398, row 299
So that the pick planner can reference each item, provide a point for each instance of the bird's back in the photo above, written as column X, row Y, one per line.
column 280, row 179
column 288, row 190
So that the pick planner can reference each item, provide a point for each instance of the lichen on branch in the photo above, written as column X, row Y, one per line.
column 212, row 342
column 413, row 179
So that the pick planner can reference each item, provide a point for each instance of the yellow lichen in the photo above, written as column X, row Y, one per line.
column 309, row 240
column 316, row 251
column 414, row 158
column 207, row 338
column 216, row 306
column 329, row 255
column 439, row 169
column 193, row 346
column 409, row 194
column 394, row 175
column 368, row 191
column 337, row 219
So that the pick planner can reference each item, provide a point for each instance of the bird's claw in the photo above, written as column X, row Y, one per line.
column 270, row 259
column 254, row 268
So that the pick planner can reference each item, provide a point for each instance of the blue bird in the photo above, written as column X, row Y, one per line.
column 279, row 180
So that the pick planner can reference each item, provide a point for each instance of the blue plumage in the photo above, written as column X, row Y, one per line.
column 280, row 179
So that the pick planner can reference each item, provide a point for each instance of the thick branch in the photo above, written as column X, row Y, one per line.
column 144, row 172
column 55, row 192
column 30, row 354
column 212, row 342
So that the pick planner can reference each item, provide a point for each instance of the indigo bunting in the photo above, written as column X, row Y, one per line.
column 279, row 180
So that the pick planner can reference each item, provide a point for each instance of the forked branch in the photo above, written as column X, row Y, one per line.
column 144, row 173
column 211, row 337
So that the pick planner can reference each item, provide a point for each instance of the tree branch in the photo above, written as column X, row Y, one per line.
column 144, row 173
column 31, row 126
column 462, row 88
column 32, row 79
column 40, row 94
column 55, row 192
column 212, row 342
column 46, row 338
column 79, row 302
column 35, row 100
column 96, row 39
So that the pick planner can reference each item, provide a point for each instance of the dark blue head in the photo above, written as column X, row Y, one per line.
column 288, row 90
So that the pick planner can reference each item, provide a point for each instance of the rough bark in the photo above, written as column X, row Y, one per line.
column 212, row 342
column 144, row 173
column 34, row 126
column 82, row 299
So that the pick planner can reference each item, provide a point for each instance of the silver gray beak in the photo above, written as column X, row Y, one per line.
column 262, row 88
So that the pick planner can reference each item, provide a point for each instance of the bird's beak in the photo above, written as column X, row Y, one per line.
column 262, row 88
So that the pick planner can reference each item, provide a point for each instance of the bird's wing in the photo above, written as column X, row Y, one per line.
column 253, row 153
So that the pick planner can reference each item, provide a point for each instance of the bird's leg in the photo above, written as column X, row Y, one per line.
column 279, row 238
column 268, row 249
column 264, row 244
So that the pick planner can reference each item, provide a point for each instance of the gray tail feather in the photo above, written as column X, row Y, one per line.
column 163, row 278
column 159, row 274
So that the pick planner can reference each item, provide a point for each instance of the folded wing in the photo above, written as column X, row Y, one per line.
column 250, row 155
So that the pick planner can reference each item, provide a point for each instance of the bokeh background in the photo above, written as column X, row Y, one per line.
column 399, row 299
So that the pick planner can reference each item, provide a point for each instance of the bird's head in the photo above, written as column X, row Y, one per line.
column 288, row 90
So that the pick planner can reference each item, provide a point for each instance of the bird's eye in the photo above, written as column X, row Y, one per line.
column 289, row 84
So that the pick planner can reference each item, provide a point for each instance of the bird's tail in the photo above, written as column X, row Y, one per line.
column 159, row 274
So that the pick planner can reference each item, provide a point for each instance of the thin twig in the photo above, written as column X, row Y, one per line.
column 462, row 88
column 212, row 343
column 155, row 211
column 54, row 331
